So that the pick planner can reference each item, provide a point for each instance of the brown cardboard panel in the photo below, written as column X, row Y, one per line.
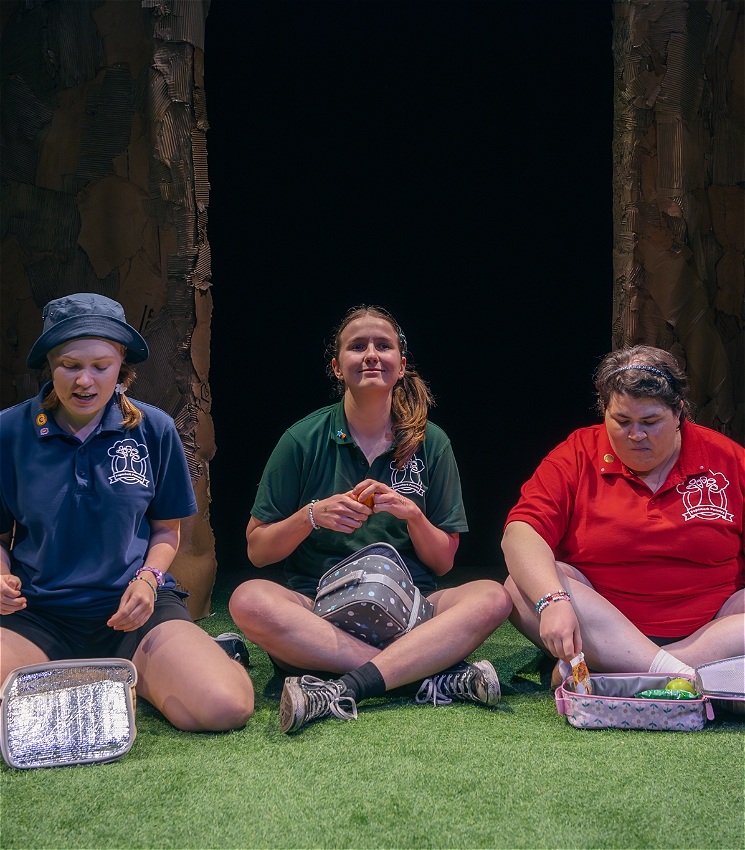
column 61, row 150
column 142, row 292
column 21, row 321
column 23, row 117
column 179, row 20
column 112, row 222
column 730, row 299
column 200, row 340
column 195, row 566
column 727, row 204
column 72, row 42
column 121, row 26
column 107, row 122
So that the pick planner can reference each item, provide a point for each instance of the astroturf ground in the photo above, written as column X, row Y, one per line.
column 401, row 776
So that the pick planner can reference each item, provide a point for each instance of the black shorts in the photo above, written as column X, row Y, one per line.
column 664, row 641
column 60, row 638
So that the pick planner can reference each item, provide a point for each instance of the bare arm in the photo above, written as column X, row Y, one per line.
column 434, row 547
column 530, row 561
column 270, row 542
column 138, row 601
column 532, row 566
column 10, row 585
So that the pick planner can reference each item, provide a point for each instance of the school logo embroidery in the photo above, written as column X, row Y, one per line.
column 128, row 462
column 409, row 478
column 704, row 497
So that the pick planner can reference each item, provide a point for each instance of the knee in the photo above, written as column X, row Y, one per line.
column 496, row 603
column 228, row 706
column 250, row 605
column 231, row 709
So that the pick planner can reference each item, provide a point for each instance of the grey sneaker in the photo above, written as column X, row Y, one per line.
column 306, row 698
column 465, row 682
column 234, row 645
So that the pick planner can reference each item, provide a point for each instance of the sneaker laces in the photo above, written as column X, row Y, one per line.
column 436, row 688
column 323, row 698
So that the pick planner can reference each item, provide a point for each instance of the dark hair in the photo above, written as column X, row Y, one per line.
column 670, row 387
column 132, row 415
column 411, row 395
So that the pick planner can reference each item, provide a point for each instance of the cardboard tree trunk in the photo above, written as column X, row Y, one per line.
column 104, row 172
column 679, row 193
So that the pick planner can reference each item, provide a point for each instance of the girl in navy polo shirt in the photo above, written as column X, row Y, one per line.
column 92, row 490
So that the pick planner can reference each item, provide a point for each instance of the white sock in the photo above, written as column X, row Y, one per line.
column 666, row 663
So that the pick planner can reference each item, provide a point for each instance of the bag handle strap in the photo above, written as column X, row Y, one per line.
column 350, row 578
column 414, row 610
column 361, row 577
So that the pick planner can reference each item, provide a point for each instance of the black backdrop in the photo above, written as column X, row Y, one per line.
column 448, row 160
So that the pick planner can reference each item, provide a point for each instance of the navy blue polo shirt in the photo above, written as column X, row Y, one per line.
column 82, row 509
column 317, row 457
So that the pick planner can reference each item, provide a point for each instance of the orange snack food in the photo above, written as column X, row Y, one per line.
column 370, row 501
column 581, row 675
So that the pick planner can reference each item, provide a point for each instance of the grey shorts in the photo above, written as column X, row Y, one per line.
column 62, row 637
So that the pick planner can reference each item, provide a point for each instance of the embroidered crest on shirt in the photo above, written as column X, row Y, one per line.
column 128, row 462
column 704, row 497
column 408, row 479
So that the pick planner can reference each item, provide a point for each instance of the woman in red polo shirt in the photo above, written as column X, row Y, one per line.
column 629, row 537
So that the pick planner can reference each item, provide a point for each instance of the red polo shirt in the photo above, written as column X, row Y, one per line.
column 668, row 560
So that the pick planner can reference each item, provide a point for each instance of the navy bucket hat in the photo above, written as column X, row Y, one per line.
column 85, row 314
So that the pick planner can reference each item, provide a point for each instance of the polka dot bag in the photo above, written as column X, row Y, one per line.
column 371, row 595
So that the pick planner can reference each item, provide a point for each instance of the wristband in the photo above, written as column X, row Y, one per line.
column 159, row 575
column 546, row 600
column 312, row 518
column 140, row 578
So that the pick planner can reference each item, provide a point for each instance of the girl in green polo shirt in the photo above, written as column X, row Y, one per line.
column 370, row 468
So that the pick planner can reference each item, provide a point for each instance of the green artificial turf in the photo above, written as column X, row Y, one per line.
column 402, row 775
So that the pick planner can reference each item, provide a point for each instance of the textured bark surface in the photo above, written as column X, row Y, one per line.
column 679, row 193
column 104, row 177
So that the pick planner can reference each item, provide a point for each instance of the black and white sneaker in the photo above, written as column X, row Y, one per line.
column 464, row 682
column 234, row 645
column 307, row 698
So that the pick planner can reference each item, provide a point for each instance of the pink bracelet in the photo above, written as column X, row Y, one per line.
column 159, row 575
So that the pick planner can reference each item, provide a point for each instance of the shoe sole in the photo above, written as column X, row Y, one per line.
column 491, row 682
column 291, row 706
column 231, row 641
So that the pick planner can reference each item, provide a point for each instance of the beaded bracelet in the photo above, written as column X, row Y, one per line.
column 140, row 578
column 312, row 518
column 158, row 574
column 546, row 600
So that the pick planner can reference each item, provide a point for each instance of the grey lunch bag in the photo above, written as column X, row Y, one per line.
column 371, row 595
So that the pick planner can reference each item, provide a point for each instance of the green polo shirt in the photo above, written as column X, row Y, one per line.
column 317, row 458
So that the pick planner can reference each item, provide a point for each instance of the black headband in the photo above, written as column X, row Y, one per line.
column 644, row 369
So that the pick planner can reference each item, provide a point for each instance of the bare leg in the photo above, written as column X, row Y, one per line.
column 723, row 637
column 186, row 675
column 464, row 617
column 282, row 622
column 17, row 651
column 610, row 641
